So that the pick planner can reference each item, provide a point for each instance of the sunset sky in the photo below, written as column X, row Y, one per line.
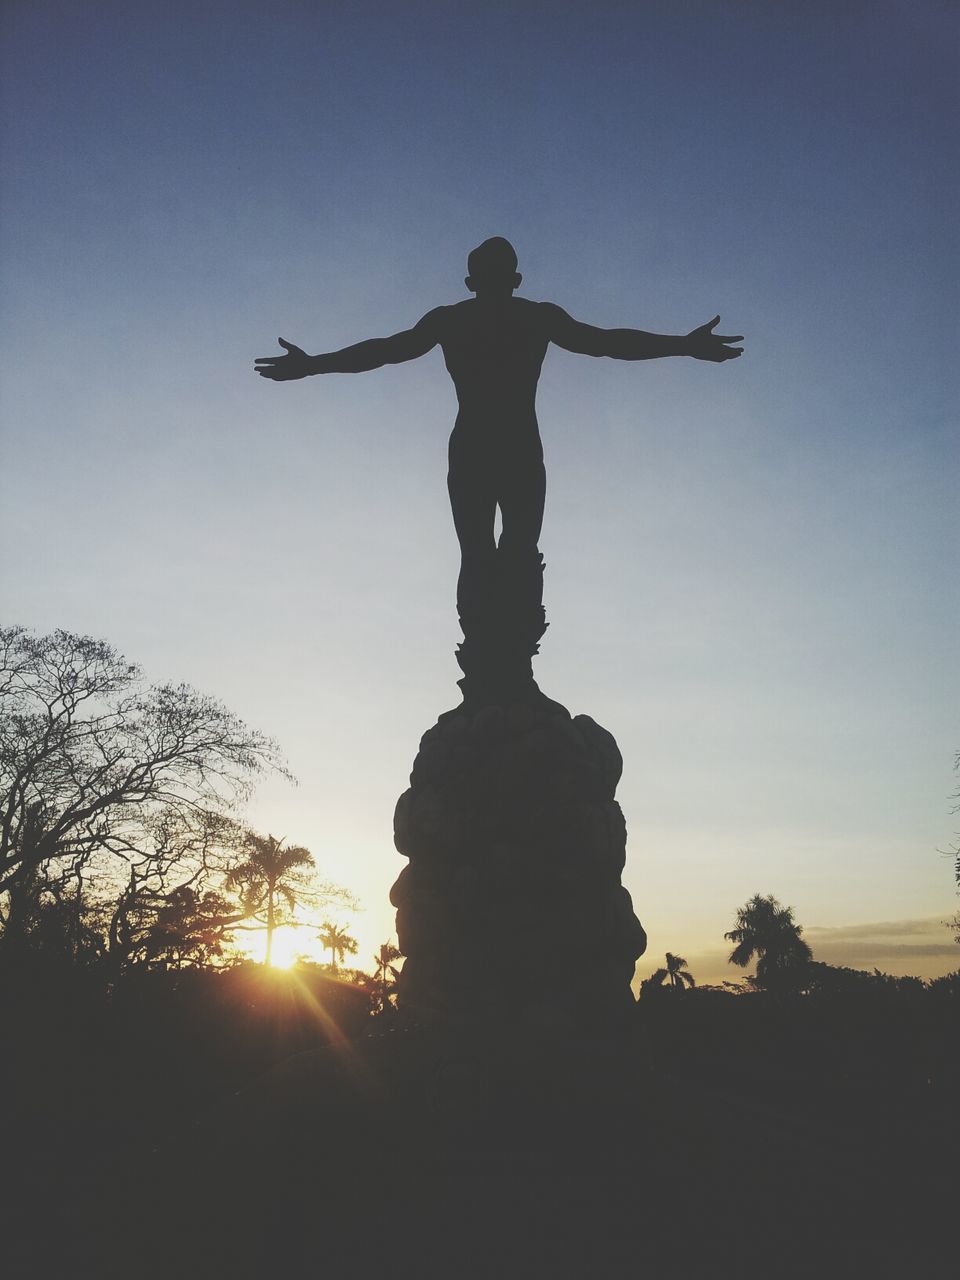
column 751, row 568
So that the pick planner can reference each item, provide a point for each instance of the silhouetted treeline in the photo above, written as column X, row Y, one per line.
column 187, row 1034
column 100, row 1077
column 119, row 1087
column 193, row 1032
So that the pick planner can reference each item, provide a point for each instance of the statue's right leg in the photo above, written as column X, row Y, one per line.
column 473, row 504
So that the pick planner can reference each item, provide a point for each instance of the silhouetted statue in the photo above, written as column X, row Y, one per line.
column 514, row 837
column 493, row 346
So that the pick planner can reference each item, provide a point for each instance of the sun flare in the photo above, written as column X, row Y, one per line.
column 287, row 947
column 290, row 944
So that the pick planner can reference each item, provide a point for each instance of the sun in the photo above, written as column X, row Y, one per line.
column 290, row 944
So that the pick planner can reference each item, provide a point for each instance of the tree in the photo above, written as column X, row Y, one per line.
column 767, row 930
column 385, row 973
column 97, row 765
column 675, row 972
column 338, row 942
column 54, row 922
column 946, row 988
column 272, row 878
column 186, row 852
column 189, row 928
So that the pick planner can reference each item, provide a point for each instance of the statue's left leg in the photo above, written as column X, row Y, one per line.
column 521, row 492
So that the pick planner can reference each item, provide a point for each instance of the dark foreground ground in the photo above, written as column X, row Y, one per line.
column 712, row 1139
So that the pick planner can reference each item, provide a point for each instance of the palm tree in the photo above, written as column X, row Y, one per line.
column 385, row 970
column 676, row 965
column 338, row 942
column 270, row 875
column 767, row 930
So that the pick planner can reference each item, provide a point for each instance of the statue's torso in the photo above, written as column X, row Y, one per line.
column 494, row 352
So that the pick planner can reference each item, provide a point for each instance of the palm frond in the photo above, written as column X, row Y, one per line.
column 742, row 955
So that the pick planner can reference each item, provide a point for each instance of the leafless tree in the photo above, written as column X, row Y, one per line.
column 104, row 775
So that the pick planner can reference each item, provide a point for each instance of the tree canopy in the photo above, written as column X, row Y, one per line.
column 675, row 973
column 106, row 779
column 274, row 879
column 94, row 760
column 337, row 941
column 766, row 930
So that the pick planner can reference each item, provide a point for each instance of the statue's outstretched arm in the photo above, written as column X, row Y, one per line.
column 362, row 356
column 635, row 344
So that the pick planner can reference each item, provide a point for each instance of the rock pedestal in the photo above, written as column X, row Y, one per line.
column 512, row 910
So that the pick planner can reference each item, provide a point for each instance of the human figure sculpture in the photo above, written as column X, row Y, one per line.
column 493, row 346
column 510, row 823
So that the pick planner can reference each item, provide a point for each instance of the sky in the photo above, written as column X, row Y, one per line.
column 751, row 568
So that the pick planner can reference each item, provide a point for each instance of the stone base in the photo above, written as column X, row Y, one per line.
column 511, row 910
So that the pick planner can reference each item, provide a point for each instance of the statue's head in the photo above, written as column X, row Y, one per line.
column 493, row 267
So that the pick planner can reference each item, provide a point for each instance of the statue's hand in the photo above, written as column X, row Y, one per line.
column 704, row 344
column 295, row 364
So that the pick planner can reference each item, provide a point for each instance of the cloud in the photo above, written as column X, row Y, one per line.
column 886, row 929
column 867, row 945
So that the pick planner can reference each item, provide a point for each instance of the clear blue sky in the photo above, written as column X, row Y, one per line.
column 751, row 568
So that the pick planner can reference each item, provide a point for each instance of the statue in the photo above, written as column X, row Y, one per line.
column 515, row 840
column 493, row 346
